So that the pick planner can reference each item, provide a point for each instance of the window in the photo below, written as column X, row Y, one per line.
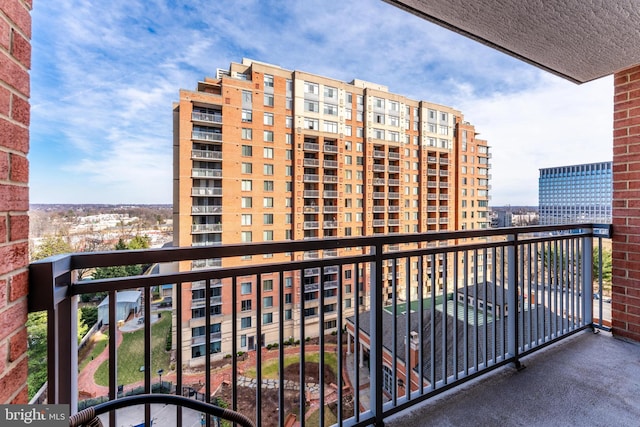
column 288, row 122
column 267, row 318
column 246, row 219
column 378, row 133
column 247, row 185
column 288, row 218
column 394, row 121
column 311, row 124
column 267, row 235
column 394, row 136
column 288, row 154
column 347, row 160
column 268, row 169
column 245, row 288
column 247, row 202
column 330, row 92
column 267, row 302
column 360, row 132
column 288, row 170
column 347, row 130
column 268, row 119
column 347, row 114
column 287, row 314
column 359, row 147
column 247, row 133
column 268, row 80
column 347, row 188
column 311, row 88
column 378, row 102
column 247, row 168
column 247, row 150
column 288, row 187
column 268, row 186
column 247, row 116
column 245, row 305
column 394, row 106
column 311, row 106
column 267, row 152
column 378, row 118
column 267, row 285
column 359, row 116
column 246, row 236
column 267, row 202
column 287, row 298
column 268, row 100
column 267, row 219
column 245, row 322
column 243, row 340
column 268, row 135
column 288, row 282
column 331, row 109
column 246, row 97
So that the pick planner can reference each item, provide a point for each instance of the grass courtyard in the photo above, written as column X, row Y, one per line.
column 131, row 355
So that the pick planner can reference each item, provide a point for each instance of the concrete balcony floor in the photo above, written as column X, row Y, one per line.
column 585, row 380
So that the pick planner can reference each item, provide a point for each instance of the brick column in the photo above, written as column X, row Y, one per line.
column 625, row 307
column 15, row 61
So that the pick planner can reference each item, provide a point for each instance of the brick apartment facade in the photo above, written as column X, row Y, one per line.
column 15, row 62
column 266, row 154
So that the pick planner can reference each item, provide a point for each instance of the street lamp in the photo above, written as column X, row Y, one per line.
column 160, row 371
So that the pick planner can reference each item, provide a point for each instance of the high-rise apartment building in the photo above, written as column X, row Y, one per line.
column 267, row 154
column 575, row 194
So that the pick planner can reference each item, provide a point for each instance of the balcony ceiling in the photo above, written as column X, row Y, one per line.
column 580, row 40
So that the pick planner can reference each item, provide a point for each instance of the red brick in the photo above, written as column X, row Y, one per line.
column 13, row 74
column 13, row 318
column 620, row 132
column 21, row 49
column 620, row 79
column 4, row 166
column 3, row 295
column 620, row 97
column 18, row 14
column 18, row 345
column 22, row 397
column 3, row 229
column 13, row 381
column 14, row 198
column 19, row 168
column 19, row 286
column 14, row 257
column 19, row 227
column 21, row 113
column 13, row 136
column 5, row 101
column 5, row 34
column 626, row 122
column 3, row 356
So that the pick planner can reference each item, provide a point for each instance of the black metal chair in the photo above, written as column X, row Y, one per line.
column 89, row 416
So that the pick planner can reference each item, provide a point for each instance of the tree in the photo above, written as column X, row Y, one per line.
column 36, row 351
column 89, row 316
column 137, row 242
column 606, row 265
column 52, row 245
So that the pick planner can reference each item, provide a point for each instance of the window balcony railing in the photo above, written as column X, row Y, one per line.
column 498, row 296
column 206, row 228
column 206, row 173
column 204, row 210
column 206, row 136
column 206, row 117
column 310, row 178
column 206, row 155
column 206, row 191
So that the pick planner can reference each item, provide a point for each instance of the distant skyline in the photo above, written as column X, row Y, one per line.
column 104, row 76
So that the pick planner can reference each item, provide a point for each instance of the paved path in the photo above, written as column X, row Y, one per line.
column 86, row 382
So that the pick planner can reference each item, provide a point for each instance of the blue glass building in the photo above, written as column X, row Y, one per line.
column 575, row 194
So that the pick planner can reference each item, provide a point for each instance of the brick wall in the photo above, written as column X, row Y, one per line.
column 15, row 61
column 626, row 204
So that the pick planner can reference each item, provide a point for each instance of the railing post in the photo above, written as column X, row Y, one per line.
column 375, row 356
column 512, row 298
column 64, row 321
column 587, row 279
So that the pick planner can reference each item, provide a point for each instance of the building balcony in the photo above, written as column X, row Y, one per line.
column 379, row 168
column 206, row 155
column 311, row 162
column 330, row 148
column 449, row 335
column 310, row 178
column 393, row 168
column 394, row 195
column 330, row 164
column 310, row 225
column 330, row 179
column 394, row 182
column 379, row 181
column 394, row 156
column 206, row 136
column 330, row 209
column 379, row 195
column 214, row 336
column 206, row 173
column 330, row 224
column 206, row 210
column 311, row 209
column 377, row 154
column 379, row 209
column 206, row 191
column 311, row 194
column 330, row 194
column 206, row 117
column 393, row 222
column 378, row 223
column 201, row 302
column 393, row 209
column 311, row 146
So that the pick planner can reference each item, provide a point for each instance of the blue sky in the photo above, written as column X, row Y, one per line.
column 105, row 74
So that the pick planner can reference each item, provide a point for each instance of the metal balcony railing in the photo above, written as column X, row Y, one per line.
column 206, row 136
column 477, row 305
column 206, row 117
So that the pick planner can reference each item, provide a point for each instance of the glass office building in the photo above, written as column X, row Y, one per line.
column 575, row 194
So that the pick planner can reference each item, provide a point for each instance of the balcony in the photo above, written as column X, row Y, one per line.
column 379, row 209
column 310, row 178
column 503, row 317
column 206, row 136
column 206, row 155
column 310, row 225
column 206, row 117
column 328, row 148
column 206, row 191
column 330, row 194
column 379, row 167
column 311, row 162
column 330, row 164
column 394, row 156
column 377, row 154
column 206, row 210
column 311, row 146
column 330, row 209
column 206, row 228
column 314, row 194
column 206, row 173
column 311, row 209
column 379, row 181
column 393, row 209
column 330, row 224
column 330, row 179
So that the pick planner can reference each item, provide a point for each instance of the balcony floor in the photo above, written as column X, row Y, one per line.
column 588, row 379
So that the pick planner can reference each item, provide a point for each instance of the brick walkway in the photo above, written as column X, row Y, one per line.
column 86, row 383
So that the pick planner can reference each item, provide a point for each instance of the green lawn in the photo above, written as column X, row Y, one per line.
column 100, row 343
column 131, row 355
column 270, row 367
column 314, row 419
